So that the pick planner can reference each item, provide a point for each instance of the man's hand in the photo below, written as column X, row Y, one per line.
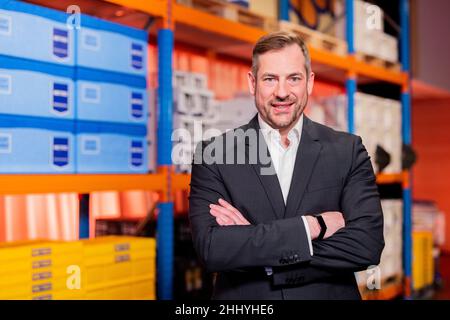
column 226, row 214
column 333, row 219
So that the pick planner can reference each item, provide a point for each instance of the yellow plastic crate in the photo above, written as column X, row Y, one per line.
column 144, row 267
column 144, row 290
column 423, row 262
column 38, row 289
column 36, row 249
column 117, row 267
column 114, row 257
column 118, row 244
column 28, row 265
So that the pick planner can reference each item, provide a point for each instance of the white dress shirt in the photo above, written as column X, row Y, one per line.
column 283, row 159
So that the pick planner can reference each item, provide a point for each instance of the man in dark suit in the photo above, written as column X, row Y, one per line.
column 283, row 207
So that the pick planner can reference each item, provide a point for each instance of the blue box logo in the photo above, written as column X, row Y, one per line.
column 137, row 56
column 60, row 43
column 60, row 151
column 137, row 153
column 60, row 97
column 137, row 105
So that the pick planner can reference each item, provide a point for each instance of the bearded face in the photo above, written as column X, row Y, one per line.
column 281, row 87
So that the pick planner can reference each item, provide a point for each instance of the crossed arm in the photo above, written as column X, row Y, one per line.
column 225, row 240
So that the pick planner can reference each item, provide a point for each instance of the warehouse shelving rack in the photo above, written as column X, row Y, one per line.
column 183, row 24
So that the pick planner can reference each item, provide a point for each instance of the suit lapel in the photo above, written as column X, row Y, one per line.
column 269, row 182
column 307, row 155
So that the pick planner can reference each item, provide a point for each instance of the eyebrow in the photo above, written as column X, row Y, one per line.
column 268, row 74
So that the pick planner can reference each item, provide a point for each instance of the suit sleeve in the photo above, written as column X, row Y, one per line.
column 224, row 248
column 356, row 246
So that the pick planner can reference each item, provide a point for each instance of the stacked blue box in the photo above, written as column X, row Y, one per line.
column 111, row 47
column 112, row 103
column 37, row 90
column 111, row 148
column 37, row 33
column 31, row 88
column 116, row 98
column 36, row 145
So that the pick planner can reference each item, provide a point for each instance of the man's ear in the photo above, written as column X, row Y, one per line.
column 310, row 83
column 251, row 83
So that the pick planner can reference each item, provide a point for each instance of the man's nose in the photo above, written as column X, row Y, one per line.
column 282, row 92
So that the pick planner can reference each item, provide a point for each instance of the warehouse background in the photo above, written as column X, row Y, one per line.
column 88, row 101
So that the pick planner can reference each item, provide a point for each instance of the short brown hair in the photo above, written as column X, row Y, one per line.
column 276, row 41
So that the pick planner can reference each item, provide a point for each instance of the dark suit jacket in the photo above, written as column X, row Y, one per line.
column 332, row 172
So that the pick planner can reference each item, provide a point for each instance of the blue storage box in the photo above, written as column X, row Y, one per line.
column 36, row 145
column 37, row 33
column 36, row 89
column 111, row 102
column 111, row 148
column 109, row 46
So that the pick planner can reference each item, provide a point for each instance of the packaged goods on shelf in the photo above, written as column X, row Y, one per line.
column 392, row 132
column 426, row 216
column 193, row 80
column 111, row 148
column 186, row 101
column 36, row 145
column 236, row 112
column 267, row 8
column 36, row 33
column 181, row 79
column 368, row 26
column 423, row 259
column 112, row 47
column 199, row 80
column 101, row 268
column 388, row 47
column 195, row 111
column 111, row 102
column 330, row 111
column 390, row 266
column 51, row 95
column 391, row 258
column 41, row 270
column 377, row 120
column 119, row 267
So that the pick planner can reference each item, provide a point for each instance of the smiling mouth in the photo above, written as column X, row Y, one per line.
column 282, row 107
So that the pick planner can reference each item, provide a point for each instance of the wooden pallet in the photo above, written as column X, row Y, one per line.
column 391, row 287
column 378, row 62
column 232, row 12
column 315, row 38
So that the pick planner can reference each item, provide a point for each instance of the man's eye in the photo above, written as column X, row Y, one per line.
column 269, row 79
column 296, row 79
